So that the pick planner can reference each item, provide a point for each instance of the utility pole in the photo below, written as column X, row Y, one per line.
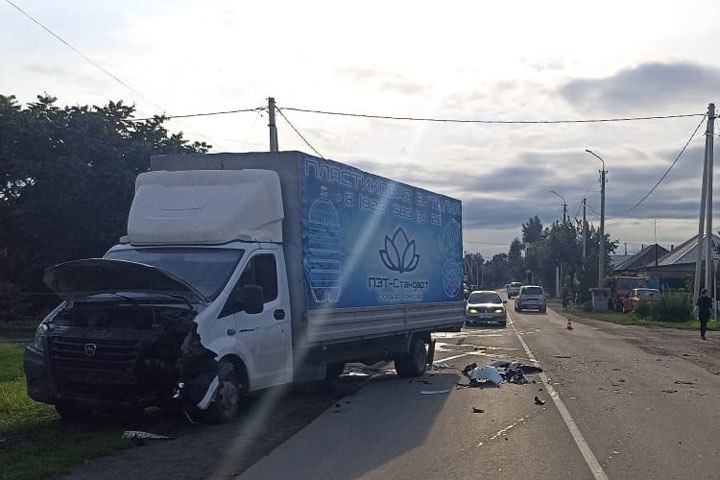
column 709, row 244
column 271, row 124
column 601, row 266
column 584, row 228
column 704, row 239
column 564, row 204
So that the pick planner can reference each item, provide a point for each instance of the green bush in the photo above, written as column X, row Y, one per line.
column 642, row 309
column 672, row 307
column 587, row 307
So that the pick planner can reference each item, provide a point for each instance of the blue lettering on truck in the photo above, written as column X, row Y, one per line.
column 370, row 241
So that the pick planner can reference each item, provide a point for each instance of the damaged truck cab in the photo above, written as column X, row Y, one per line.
column 236, row 276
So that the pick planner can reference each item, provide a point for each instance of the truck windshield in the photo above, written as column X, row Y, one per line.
column 484, row 297
column 206, row 269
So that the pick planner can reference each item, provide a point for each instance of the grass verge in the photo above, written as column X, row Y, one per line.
column 34, row 443
column 631, row 319
column 21, row 328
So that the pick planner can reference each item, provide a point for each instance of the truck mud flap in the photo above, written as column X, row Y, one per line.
column 430, row 354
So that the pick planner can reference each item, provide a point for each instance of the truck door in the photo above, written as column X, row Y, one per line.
column 263, row 334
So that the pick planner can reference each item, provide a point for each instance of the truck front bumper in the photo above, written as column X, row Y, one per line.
column 40, row 386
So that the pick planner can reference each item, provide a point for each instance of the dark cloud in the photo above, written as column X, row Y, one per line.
column 382, row 80
column 649, row 85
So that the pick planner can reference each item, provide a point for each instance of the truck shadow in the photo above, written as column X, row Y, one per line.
column 386, row 420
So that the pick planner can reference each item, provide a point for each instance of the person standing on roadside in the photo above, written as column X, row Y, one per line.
column 703, row 305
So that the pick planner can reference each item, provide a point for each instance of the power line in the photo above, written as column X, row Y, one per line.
column 670, row 168
column 298, row 133
column 480, row 121
column 90, row 60
column 205, row 114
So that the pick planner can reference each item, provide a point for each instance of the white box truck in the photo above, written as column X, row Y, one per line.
column 244, row 271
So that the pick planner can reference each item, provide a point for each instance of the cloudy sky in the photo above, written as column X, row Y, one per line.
column 467, row 60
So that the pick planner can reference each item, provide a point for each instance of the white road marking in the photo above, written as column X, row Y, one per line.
column 582, row 445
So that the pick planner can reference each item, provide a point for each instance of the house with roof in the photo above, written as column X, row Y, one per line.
column 675, row 267
column 634, row 264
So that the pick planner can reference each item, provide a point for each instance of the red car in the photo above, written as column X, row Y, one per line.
column 637, row 294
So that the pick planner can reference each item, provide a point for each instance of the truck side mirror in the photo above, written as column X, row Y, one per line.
column 253, row 299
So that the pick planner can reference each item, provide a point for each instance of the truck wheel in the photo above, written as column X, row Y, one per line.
column 413, row 363
column 72, row 414
column 225, row 404
column 334, row 370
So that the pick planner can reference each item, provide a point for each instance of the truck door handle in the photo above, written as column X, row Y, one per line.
column 279, row 314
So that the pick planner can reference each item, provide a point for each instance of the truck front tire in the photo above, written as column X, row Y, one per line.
column 413, row 363
column 225, row 404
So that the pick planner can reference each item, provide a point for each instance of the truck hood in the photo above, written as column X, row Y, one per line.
column 92, row 276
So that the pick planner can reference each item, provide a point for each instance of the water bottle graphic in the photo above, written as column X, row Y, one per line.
column 450, row 247
column 324, row 250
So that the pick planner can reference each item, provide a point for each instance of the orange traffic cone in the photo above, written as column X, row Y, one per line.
column 569, row 324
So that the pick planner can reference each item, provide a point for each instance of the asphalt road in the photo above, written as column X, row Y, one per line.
column 630, row 402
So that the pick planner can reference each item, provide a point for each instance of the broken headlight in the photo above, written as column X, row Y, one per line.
column 40, row 333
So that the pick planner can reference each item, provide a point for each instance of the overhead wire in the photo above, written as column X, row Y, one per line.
column 298, row 133
column 96, row 64
column 87, row 58
column 205, row 114
column 486, row 121
column 669, row 168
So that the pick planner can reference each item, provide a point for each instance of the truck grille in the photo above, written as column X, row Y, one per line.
column 91, row 355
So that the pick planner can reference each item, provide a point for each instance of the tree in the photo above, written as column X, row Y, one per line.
column 473, row 268
column 497, row 273
column 67, row 177
column 515, row 260
column 532, row 231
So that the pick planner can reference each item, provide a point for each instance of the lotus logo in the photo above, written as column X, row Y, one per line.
column 90, row 349
column 399, row 254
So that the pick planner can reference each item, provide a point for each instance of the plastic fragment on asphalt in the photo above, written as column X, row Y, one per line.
column 478, row 410
column 434, row 392
column 538, row 401
column 441, row 366
column 138, row 438
column 489, row 374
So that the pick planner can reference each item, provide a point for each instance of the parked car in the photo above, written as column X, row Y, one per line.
column 531, row 297
column 637, row 294
column 513, row 289
column 485, row 307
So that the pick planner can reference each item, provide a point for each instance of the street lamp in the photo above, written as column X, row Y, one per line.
column 564, row 203
column 601, row 269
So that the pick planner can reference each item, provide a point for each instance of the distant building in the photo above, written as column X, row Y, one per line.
column 634, row 264
column 675, row 267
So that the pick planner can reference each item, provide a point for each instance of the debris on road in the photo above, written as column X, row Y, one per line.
column 514, row 372
column 538, row 401
column 669, row 391
column 434, row 392
column 138, row 438
column 562, row 356
column 478, row 410
column 441, row 366
column 684, row 382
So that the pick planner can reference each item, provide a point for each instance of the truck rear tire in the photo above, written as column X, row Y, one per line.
column 413, row 363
